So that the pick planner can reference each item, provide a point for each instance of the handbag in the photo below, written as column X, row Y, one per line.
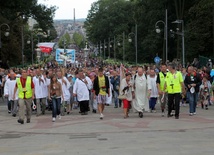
column 122, row 97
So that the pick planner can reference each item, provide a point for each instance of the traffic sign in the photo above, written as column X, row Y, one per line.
column 157, row 59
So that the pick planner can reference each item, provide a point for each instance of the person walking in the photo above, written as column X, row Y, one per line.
column 175, row 86
column 65, row 91
column 152, row 78
column 40, row 92
column 126, row 89
column 25, row 87
column 101, row 88
column 141, row 90
column 160, row 85
column 55, row 95
column 192, row 82
column 81, row 89
column 8, row 92
column 115, row 81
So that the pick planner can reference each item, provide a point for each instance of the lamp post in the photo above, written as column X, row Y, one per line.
column 109, row 47
column 38, row 50
column 104, row 50
column 118, row 43
column 86, row 52
column 6, row 33
column 130, row 40
column 165, row 31
column 23, row 45
column 40, row 34
column 181, row 34
column 32, row 47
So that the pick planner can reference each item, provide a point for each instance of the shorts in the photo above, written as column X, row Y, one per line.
column 101, row 99
column 126, row 104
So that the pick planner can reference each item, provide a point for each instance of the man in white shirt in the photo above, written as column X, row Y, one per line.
column 81, row 89
column 40, row 92
column 152, row 77
column 65, row 90
column 9, row 91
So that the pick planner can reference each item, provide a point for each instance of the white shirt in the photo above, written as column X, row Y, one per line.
column 81, row 89
column 65, row 89
column 152, row 83
column 40, row 88
column 9, row 89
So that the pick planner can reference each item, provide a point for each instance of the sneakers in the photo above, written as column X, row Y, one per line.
column 163, row 114
column 191, row 114
column 20, row 121
column 194, row 113
column 59, row 116
column 101, row 116
column 54, row 119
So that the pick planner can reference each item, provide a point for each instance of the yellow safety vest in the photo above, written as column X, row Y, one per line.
column 162, row 81
column 173, row 82
column 27, row 91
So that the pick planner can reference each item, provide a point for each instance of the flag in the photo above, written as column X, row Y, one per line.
column 122, row 73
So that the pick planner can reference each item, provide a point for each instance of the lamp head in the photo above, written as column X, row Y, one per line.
column 130, row 40
column 7, row 34
column 158, row 30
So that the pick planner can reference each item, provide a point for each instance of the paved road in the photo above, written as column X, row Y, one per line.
column 87, row 135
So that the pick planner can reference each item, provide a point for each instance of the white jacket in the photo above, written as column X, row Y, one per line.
column 9, row 89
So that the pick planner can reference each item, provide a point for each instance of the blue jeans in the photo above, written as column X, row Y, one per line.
column 116, row 100
column 192, row 101
column 152, row 103
column 56, row 106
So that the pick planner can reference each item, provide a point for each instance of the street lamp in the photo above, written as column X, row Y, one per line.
column 86, row 52
column 181, row 34
column 118, row 43
column 23, row 45
column 104, row 49
column 6, row 32
column 38, row 51
column 165, row 31
column 130, row 40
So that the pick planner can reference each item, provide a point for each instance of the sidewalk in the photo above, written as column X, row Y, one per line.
column 84, row 135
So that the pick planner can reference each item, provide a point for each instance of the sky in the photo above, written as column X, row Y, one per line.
column 66, row 7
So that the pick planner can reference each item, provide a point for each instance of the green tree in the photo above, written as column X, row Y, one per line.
column 16, row 14
column 78, row 39
column 199, row 35
column 64, row 41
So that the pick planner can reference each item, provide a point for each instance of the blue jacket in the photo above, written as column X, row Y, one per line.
column 115, row 81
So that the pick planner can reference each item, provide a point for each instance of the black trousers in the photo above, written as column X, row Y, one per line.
column 84, row 106
column 174, row 99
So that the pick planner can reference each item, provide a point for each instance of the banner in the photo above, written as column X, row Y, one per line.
column 67, row 55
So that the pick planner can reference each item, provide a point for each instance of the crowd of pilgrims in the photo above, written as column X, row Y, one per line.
column 89, row 89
